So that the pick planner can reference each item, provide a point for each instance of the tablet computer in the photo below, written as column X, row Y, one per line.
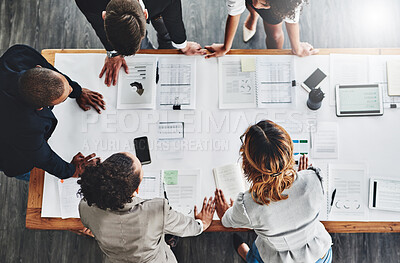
column 359, row 100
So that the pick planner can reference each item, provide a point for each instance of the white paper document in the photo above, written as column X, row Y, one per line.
column 51, row 198
column 384, row 194
column 230, row 179
column 69, row 198
column 237, row 88
column 269, row 85
column 347, row 69
column 393, row 76
column 183, row 188
column 137, row 89
column 349, row 182
column 324, row 142
column 170, row 130
column 151, row 185
column 274, row 80
column 379, row 74
column 177, row 82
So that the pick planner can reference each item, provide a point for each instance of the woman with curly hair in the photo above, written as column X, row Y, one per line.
column 126, row 227
column 282, row 205
column 273, row 13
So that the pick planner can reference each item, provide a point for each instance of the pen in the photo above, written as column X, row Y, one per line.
column 310, row 139
column 157, row 74
column 332, row 200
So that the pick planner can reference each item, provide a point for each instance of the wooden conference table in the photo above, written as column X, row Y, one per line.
column 34, row 207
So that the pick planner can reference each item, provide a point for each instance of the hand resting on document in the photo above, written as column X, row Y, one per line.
column 111, row 68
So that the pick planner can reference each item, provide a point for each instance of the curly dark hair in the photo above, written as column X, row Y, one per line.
column 110, row 184
column 284, row 8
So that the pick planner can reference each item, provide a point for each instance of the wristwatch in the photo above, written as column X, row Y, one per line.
column 112, row 54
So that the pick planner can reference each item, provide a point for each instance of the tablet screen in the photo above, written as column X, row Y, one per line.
column 359, row 99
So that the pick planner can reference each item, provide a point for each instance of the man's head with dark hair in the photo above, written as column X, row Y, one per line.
column 40, row 87
column 125, row 25
column 112, row 183
column 281, row 8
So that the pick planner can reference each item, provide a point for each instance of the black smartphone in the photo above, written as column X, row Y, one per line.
column 314, row 80
column 142, row 149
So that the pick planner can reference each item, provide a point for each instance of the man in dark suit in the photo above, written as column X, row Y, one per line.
column 29, row 89
column 124, row 29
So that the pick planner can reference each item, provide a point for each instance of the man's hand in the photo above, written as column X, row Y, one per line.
column 217, row 50
column 193, row 48
column 83, row 232
column 111, row 68
column 303, row 162
column 90, row 98
column 221, row 204
column 207, row 212
column 80, row 162
column 304, row 49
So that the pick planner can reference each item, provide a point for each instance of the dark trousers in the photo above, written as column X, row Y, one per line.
column 163, row 38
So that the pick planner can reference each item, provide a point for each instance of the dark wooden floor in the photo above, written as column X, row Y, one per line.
column 59, row 24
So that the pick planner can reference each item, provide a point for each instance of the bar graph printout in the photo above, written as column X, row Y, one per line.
column 137, row 89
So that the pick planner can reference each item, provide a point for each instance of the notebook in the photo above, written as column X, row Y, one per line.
column 229, row 178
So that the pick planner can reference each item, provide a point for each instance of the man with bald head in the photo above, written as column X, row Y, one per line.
column 29, row 89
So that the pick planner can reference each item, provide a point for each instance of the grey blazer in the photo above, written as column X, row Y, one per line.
column 136, row 232
column 287, row 230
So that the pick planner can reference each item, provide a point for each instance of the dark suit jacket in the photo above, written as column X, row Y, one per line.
column 24, row 131
column 170, row 10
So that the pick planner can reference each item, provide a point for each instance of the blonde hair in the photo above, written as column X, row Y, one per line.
column 267, row 154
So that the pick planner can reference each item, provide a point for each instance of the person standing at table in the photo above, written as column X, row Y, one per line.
column 127, row 227
column 29, row 89
column 282, row 205
column 123, row 30
column 273, row 13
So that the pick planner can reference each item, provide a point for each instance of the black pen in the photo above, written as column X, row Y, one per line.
column 157, row 74
column 332, row 200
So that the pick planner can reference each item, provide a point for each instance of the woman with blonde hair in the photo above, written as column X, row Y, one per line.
column 282, row 205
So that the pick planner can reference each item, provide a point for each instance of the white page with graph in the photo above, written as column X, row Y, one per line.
column 177, row 82
column 274, row 76
column 267, row 83
column 137, row 89
column 351, row 201
column 237, row 88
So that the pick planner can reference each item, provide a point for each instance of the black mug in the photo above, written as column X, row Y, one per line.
column 315, row 98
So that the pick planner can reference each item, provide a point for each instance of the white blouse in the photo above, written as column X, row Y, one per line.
column 236, row 7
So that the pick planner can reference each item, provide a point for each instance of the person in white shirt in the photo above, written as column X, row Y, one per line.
column 273, row 13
